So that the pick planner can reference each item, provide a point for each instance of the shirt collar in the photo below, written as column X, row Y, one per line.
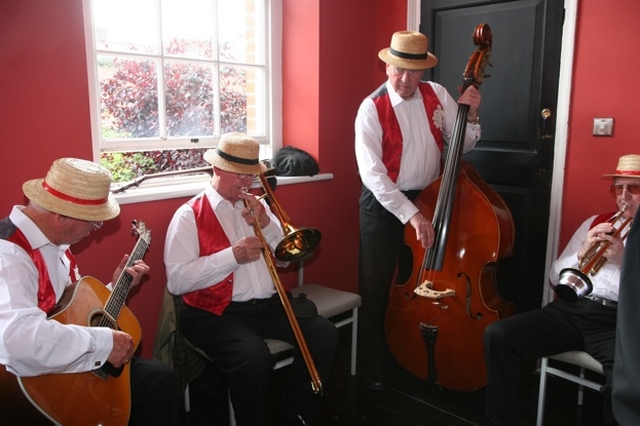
column 215, row 199
column 33, row 234
column 396, row 99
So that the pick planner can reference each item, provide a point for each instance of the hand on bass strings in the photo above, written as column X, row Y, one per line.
column 424, row 229
column 471, row 96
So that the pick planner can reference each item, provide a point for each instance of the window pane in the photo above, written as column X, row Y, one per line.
column 241, row 31
column 233, row 100
column 188, row 28
column 125, row 25
column 172, row 76
column 189, row 99
column 128, row 97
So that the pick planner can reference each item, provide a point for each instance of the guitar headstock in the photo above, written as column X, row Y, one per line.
column 139, row 230
column 479, row 60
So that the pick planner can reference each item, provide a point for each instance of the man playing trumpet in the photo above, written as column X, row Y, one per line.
column 588, row 324
column 214, row 260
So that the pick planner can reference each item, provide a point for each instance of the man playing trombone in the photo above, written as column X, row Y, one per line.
column 214, row 257
column 588, row 323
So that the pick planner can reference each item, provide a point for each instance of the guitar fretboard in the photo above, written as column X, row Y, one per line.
column 121, row 289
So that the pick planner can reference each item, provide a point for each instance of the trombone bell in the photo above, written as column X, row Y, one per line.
column 298, row 244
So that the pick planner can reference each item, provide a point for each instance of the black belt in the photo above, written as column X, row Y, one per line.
column 603, row 301
column 257, row 301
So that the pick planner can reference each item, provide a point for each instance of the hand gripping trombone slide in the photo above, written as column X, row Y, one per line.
column 297, row 244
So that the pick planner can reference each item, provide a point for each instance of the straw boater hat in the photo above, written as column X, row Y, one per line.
column 75, row 188
column 408, row 50
column 628, row 166
column 236, row 153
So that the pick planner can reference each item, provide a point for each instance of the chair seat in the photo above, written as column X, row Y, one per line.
column 279, row 350
column 329, row 301
column 579, row 358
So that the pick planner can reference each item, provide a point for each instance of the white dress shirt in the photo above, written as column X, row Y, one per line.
column 606, row 282
column 420, row 162
column 30, row 344
column 187, row 271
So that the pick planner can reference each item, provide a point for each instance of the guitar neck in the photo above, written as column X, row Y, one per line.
column 121, row 289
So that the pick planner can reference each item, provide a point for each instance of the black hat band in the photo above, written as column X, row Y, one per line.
column 233, row 158
column 404, row 55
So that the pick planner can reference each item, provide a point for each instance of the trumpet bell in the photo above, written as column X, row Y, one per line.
column 298, row 244
column 572, row 285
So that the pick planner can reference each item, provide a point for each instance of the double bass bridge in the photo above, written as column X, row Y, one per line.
column 426, row 290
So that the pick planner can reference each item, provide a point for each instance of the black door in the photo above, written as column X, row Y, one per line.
column 515, row 154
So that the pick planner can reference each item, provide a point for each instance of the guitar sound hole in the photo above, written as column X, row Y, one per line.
column 101, row 319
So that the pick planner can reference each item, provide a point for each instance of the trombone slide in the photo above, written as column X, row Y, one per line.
column 316, row 383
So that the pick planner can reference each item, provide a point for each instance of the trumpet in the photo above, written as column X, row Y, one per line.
column 296, row 244
column 575, row 283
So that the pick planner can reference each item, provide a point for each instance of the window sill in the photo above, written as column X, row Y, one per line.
column 166, row 188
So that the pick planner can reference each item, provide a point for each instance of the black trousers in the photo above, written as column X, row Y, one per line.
column 382, row 251
column 235, row 343
column 558, row 327
column 154, row 392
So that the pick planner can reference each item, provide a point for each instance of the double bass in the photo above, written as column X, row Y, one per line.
column 435, row 321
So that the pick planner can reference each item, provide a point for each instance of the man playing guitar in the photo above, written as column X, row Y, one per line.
column 36, row 269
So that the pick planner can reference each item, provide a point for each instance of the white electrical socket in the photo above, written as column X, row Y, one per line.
column 602, row 126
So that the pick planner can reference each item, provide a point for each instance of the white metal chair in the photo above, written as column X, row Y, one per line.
column 332, row 303
column 579, row 358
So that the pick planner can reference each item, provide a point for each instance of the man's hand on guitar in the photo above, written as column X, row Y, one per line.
column 137, row 271
column 123, row 349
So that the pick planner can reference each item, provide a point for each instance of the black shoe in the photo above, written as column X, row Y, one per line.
column 375, row 377
column 293, row 420
column 375, row 383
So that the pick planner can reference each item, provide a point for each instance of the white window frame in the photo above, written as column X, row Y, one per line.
column 178, row 186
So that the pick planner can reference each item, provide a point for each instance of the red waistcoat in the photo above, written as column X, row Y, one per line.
column 211, row 239
column 391, row 133
column 46, row 295
column 601, row 218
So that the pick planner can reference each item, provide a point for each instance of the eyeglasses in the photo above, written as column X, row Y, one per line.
column 96, row 225
column 400, row 71
column 243, row 176
column 633, row 189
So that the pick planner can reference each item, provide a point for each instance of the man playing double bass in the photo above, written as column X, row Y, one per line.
column 587, row 324
column 400, row 133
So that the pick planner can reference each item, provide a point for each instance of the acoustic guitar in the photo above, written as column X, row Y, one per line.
column 98, row 397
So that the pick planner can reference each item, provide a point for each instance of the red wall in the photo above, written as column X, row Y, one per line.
column 604, row 85
column 330, row 64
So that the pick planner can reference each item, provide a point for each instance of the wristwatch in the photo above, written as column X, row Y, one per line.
column 476, row 121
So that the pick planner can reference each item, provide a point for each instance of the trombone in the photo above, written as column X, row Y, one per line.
column 575, row 283
column 296, row 245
